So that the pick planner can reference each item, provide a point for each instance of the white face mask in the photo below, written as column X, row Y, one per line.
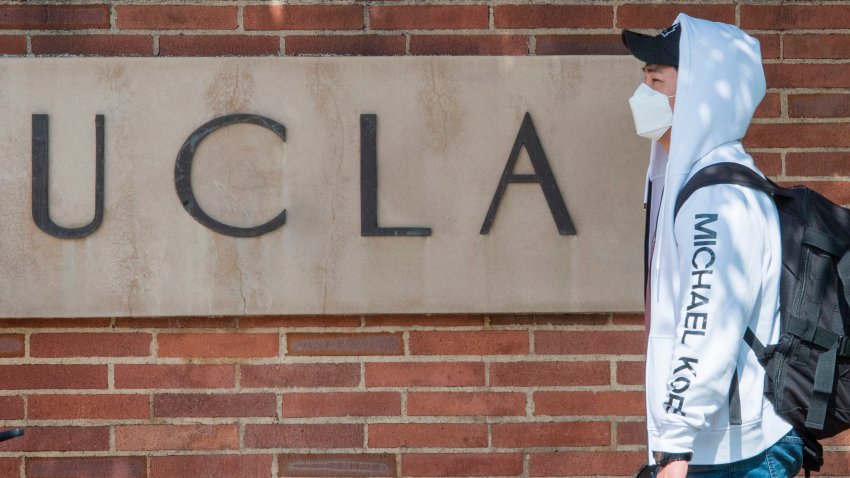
column 651, row 111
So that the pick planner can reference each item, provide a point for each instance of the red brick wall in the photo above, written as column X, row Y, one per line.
column 454, row 395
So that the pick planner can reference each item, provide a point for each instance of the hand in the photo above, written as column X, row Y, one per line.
column 674, row 469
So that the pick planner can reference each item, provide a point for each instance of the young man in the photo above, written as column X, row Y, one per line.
column 713, row 270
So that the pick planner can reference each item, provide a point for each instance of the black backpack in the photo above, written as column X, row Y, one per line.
column 808, row 372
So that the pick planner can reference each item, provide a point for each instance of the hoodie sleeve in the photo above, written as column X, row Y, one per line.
column 720, row 238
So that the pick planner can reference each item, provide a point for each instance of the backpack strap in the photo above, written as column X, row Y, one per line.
column 754, row 343
column 725, row 173
column 735, row 401
column 829, row 244
column 844, row 274
column 812, row 454
column 813, row 334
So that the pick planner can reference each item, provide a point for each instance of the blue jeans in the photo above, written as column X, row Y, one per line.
column 783, row 459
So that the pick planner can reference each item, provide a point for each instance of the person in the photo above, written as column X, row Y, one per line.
column 713, row 270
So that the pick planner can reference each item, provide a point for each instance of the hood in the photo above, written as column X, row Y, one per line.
column 720, row 84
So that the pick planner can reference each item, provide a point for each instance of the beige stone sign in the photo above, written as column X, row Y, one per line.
column 441, row 130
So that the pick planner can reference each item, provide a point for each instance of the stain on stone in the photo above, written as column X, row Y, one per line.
column 566, row 76
column 225, row 268
column 131, row 244
column 115, row 77
column 231, row 91
column 326, row 80
column 325, row 83
column 439, row 96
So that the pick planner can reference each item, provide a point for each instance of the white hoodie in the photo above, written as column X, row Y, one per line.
column 715, row 269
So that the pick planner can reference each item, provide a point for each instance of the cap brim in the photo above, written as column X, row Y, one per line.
column 648, row 49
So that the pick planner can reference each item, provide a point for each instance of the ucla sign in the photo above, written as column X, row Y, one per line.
column 319, row 185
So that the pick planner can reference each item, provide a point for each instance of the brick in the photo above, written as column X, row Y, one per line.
column 468, row 45
column 11, row 345
column 303, row 17
column 819, row 106
column 465, row 403
column 300, row 321
column 93, row 45
column 11, row 408
column 794, row 17
column 10, row 466
column 13, row 45
column 769, row 163
column 176, row 437
column 520, row 435
column 302, row 435
column 117, row 467
column 340, row 344
column 337, row 464
column 462, row 464
column 60, row 439
column 216, row 345
column 429, row 17
column 90, row 345
column 770, row 106
column 770, row 45
column 802, row 75
column 172, row 17
column 94, row 407
column 631, row 433
column 553, row 16
column 343, row 404
column 817, row 46
column 175, row 376
column 427, row 374
column 54, row 323
column 44, row 376
column 218, row 45
column 548, row 319
column 301, row 375
column 836, row 191
column 175, row 322
column 631, row 373
column 602, row 463
column 628, row 319
column 215, row 405
column 579, row 343
column 430, row 320
column 345, row 45
column 580, row 45
column 589, row 404
column 798, row 135
column 817, row 164
column 484, row 342
column 530, row 374
column 835, row 463
column 663, row 15
column 428, row 435
column 53, row 17
column 219, row 466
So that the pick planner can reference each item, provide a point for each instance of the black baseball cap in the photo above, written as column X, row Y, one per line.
column 661, row 49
